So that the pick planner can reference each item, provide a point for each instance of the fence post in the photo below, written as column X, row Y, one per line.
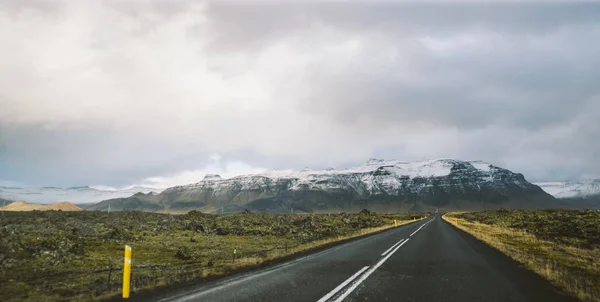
column 109, row 277
column 126, row 272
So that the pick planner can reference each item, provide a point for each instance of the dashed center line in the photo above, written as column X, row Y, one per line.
column 420, row 228
column 360, row 276
column 368, row 273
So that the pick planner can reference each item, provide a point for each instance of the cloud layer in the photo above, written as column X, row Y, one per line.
column 119, row 93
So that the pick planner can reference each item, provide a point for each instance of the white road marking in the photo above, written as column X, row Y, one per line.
column 420, row 228
column 367, row 274
column 235, row 280
column 246, row 277
column 335, row 290
column 391, row 248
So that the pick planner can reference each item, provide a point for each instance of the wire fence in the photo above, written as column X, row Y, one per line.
column 107, row 281
column 103, row 280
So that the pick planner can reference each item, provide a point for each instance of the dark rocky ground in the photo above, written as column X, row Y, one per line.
column 78, row 255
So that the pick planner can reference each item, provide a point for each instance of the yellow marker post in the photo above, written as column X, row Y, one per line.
column 126, row 272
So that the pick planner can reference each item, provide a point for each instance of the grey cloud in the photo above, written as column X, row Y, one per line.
column 154, row 88
column 42, row 156
column 243, row 24
column 521, row 79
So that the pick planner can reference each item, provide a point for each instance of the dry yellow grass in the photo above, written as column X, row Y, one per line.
column 62, row 206
column 269, row 257
column 20, row 206
column 575, row 270
column 277, row 254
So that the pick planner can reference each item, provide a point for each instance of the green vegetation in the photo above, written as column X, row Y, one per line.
column 570, row 227
column 78, row 255
column 561, row 245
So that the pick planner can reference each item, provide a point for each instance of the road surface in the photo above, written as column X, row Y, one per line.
column 425, row 261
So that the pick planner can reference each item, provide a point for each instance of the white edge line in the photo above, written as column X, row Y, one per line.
column 335, row 290
column 391, row 248
column 245, row 277
column 367, row 274
column 195, row 294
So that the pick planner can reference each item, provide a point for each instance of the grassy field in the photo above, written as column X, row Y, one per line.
column 563, row 246
column 79, row 255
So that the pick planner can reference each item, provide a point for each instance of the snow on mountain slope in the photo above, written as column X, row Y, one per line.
column 572, row 189
column 412, row 169
column 374, row 175
column 483, row 166
column 381, row 185
column 389, row 183
column 212, row 177
column 74, row 195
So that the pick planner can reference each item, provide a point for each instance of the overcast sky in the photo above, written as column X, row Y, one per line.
column 120, row 93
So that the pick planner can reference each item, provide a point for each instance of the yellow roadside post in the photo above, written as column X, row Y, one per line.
column 126, row 272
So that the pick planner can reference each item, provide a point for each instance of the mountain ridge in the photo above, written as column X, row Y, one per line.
column 577, row 193
column 572, row 188
column 382, row 185
column 78, row 195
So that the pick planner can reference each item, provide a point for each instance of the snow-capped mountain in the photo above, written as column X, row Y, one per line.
column 384, row 185
column 376, row 176
column 572, row 189
column 77, row 195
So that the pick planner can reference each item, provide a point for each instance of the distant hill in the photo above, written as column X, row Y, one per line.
column 62, row 206
column 19, row 206
column 78, row 195
column 139, row 202
column 379, row 185
column 575, row 194
column 589, row 202
column 22, row 206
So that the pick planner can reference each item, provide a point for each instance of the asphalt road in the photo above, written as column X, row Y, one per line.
column 425, row 261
